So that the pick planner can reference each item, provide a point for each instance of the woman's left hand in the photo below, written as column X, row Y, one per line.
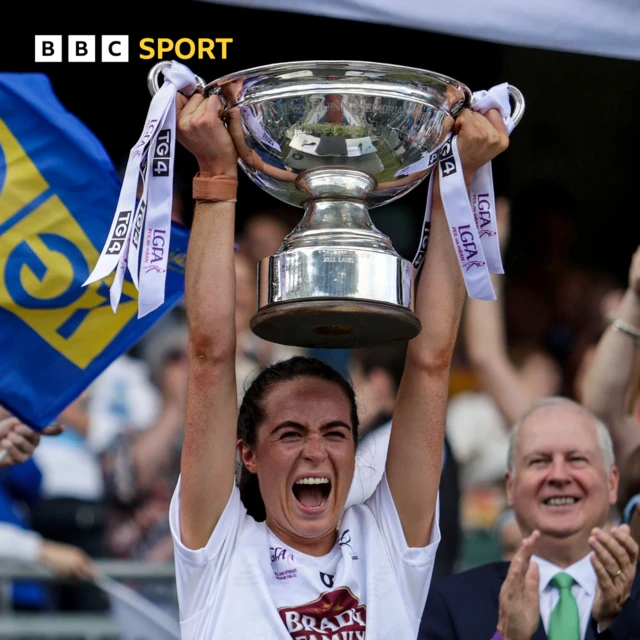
column 480, row 139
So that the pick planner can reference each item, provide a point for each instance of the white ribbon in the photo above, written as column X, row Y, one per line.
column 157, row 230
column 471, row 216
column 139, row 234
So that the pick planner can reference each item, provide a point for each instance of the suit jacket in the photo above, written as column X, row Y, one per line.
column 465, row 607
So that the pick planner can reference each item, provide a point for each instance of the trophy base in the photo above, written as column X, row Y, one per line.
column 335, row 323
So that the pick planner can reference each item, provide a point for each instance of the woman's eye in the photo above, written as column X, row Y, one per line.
column 290, row 434
column 339, row 434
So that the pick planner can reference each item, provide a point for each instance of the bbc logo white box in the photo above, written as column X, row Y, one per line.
column 48, row 48
column 82, row 49
column 115, row 48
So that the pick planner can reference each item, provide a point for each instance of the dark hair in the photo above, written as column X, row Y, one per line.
column 251, row 415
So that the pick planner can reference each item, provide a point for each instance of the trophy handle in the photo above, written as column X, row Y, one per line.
column 153, row 78
column 518, row 99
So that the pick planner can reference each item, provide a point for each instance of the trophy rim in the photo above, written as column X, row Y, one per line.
column 356, row 65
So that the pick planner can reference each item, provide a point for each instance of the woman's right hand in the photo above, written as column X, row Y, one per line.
column 201, row 130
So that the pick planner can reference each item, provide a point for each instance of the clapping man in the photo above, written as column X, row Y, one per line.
column 569, row 580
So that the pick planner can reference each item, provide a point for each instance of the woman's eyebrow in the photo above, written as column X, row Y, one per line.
column 287, row 424
column 336, row 423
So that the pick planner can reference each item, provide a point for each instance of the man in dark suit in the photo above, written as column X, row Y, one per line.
column 570, row 580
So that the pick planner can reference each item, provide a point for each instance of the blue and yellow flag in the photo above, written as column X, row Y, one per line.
column 58, row 192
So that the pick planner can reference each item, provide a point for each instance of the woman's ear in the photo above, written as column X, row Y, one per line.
column 247, row 456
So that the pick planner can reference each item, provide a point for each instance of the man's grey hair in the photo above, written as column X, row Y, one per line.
column 602, row 432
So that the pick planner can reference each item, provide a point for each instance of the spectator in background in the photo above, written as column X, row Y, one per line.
column 122, row 398
column 611, row 382
column 20, row 492
column 141, row 466
column 569, row 578
column 478, row 424
column 71, row 510
column 376, row 373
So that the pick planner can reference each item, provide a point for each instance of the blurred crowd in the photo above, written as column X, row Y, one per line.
column 102, row 488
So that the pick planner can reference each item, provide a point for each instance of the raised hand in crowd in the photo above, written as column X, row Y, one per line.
column 485, row 338
column 67, row 561
column 614, row 366
column 18, row 441
column 63, row 560
column 614, row 559
column 519, row 607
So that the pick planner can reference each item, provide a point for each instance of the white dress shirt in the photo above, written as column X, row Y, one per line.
column 583, row 589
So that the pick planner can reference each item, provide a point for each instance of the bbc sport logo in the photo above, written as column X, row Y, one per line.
column 114, row 48
column 82, row 48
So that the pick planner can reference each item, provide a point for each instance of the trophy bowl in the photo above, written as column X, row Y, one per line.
column 336, row 138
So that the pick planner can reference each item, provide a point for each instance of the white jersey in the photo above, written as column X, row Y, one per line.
column 246, row 584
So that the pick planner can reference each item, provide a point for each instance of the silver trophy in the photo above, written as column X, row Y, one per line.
column 337, row 138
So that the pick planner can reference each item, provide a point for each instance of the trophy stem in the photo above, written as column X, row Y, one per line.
column 337, row 223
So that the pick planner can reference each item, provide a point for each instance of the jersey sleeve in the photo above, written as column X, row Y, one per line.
column 371, row 457
column 413, row 565
column 198, row 570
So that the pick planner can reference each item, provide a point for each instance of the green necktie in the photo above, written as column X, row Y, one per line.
column 564, row 623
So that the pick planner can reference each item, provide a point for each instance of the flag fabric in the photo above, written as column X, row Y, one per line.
column 590, row 27
column 58, row 192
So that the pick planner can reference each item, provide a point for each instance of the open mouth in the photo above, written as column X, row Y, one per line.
column 564, row 501
column 312, row 493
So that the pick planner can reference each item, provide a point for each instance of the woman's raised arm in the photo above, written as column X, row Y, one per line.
column 414, row 459
column 208, row 455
